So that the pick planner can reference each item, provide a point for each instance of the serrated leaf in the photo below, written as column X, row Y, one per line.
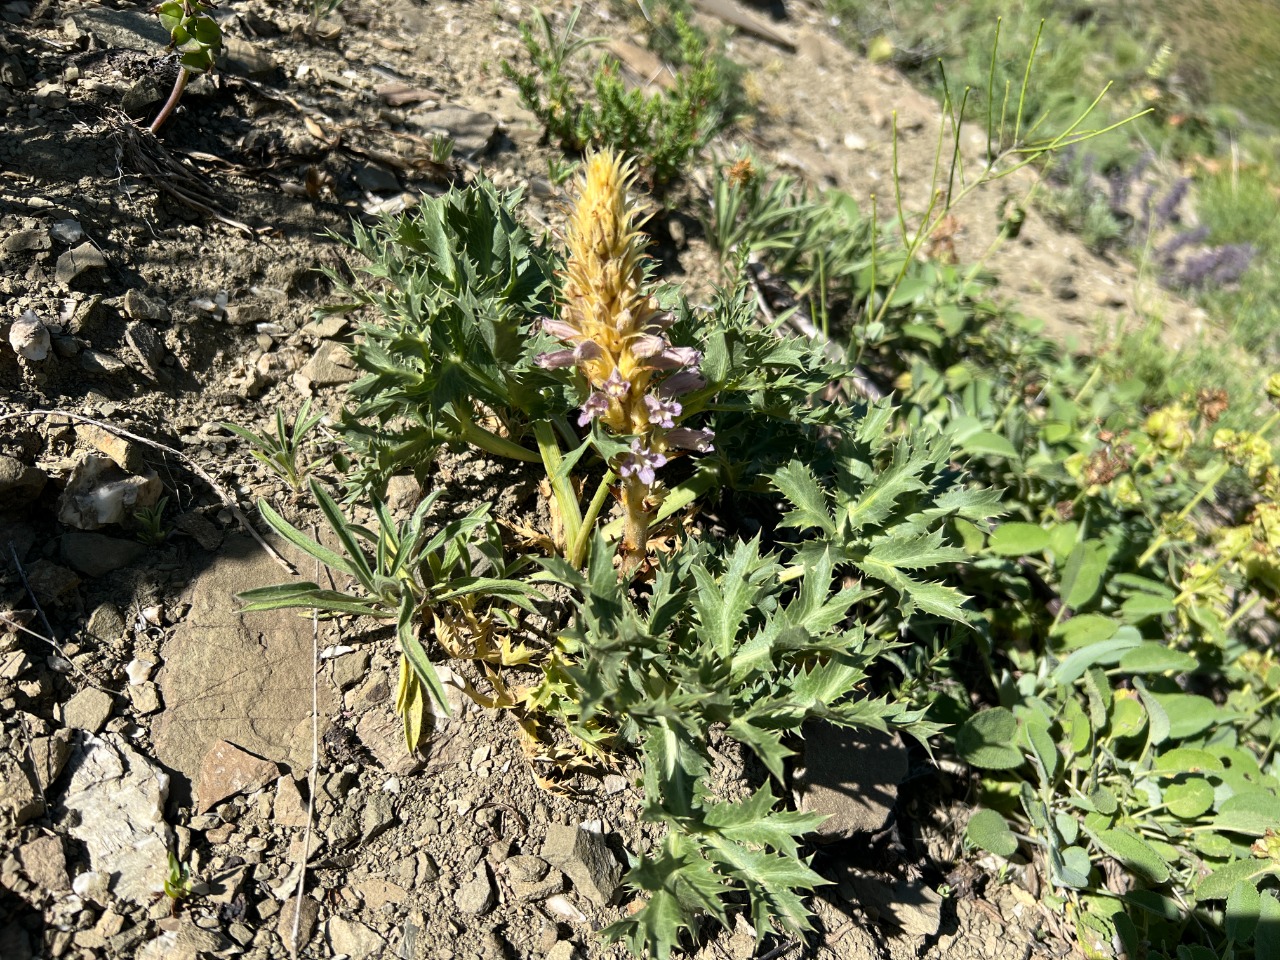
column 1018, row 539
column 1134, row 852
column 796, row 482
column 989, row 830
column 754, row 821
column 986, row 740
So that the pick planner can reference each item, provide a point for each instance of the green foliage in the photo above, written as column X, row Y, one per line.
column 663, row 130
column 283, row 454
column 193, row 33
column 177, row 882
column 151, row 526
column 455, row 287
column 411, row 575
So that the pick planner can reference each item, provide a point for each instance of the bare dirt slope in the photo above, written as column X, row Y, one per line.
column 177, row 287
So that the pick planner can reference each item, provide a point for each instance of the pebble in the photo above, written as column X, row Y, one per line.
column 29, row 337
column 478, row 896
column 87, row 710
column 78, row 260
column 67, row 231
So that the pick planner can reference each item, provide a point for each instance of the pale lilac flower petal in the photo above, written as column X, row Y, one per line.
column 686, row 438
column 615, row 386
column 641, row 463
column 596, row 405
column 560, row 329
column 681, row 383
column 556, row 359
column 647, row 345
column 587, row 350
column 662, row 412
column 677, row 358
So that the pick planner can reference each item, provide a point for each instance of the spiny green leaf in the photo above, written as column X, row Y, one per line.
column 796, row 482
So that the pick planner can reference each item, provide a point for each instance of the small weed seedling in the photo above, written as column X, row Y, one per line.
column 283, row 454
column 197, row 37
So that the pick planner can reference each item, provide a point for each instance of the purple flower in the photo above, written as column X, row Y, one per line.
column 641, row 464
column 680, row 383
column 560, row 329
column 615, row 386
column 677, row 358
column 662, row 412
column 685, row 438
column 556, row 359
column 648, row 345
column 597, row 405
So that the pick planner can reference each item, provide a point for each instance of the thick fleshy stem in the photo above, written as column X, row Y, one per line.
column 636, row 519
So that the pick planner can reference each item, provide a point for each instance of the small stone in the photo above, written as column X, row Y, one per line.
column 101, row 362
column 477, row 897
column 29, row 337
column 75, row 262
column 67, row 231
column 123, row 452
column 547, row 887
column 226, row 771
column 526, row 869
column 376, row 179
column 378, row 893
column 330, row 366
column 106, row 624
column 376, row 816
column 353, row 939
column 19, row 484
column 145, row 697
column 96, row 555
column 87, row 710
column 139, row 671
column 471, row 131
column 350, row 669
column 307, row 917
column 26, row 241
column 45, row 863
column 427, row 870
column 20, row 797
column 146, row 346
column 247, row 59
column 404, row 493
column 326, row 327
column 50, row 756
column 585, row 859
column 200, row 529
column 138, row 306
column 382, row 732
column 289, row 810
column 244, row 314
column 563, row 950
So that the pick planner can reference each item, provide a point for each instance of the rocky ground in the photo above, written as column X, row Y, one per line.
column 162, row 293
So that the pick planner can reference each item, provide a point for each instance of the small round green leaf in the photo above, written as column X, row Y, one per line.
column 986, row 740
column 989, row 830
column 1128, row 719
column 1180, row 760
column 1190, row 798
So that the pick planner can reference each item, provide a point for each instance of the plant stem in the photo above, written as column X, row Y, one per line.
column 677, row 499
column 578, row 548
column 171, row 104
column 561, row 486
column 1219, row 472
column 490, row 442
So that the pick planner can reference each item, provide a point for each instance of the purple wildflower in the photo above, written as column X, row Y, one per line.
column 685, row 438
column 1166, row 210
column 662, row 412
column 597, row 405
column 680, row 383
column 556, row 359
column 615, row 387
column 641, row 463
column 677, row 358
column 648, row 345
column 560, row 329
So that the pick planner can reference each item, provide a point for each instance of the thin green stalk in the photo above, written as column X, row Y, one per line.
column 897, row 183
column 578, row 548
column 1026, row 80
column 1160, row 541
column 561, row 486
column 991, row 83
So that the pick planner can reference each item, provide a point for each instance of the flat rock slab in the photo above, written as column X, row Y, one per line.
column 852, row 775
column 228, row 770
column 243, row 678
column 114, row 805
column 123, row 29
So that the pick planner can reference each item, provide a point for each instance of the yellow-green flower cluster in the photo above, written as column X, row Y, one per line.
column 1244, row 449
column 1170, row 428
column 614, row 331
